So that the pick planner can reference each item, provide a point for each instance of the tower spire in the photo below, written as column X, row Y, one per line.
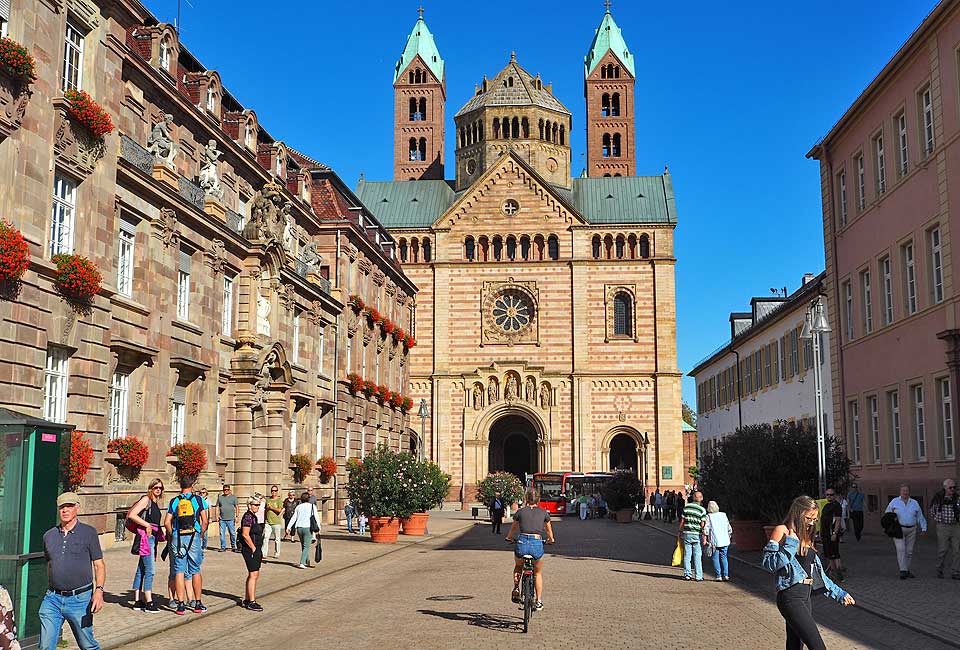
column 607, row 4
column 420, row 10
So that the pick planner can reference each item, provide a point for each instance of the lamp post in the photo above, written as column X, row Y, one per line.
column 646, row 464
column 424, row 414
column 815, row 324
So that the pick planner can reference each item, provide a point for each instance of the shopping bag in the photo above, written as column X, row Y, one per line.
column 677, row 554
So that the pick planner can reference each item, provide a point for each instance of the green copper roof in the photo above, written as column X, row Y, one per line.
column 608, row 37
column 687, row 426
column 406, row 204
column 420, row 42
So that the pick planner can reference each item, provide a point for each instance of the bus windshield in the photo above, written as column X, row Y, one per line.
column 550, row 487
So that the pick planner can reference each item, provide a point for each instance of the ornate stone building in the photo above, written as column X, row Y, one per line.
column 545, row 316
column 225, row 258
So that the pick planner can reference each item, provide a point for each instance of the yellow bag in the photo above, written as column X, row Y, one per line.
column 677, row 555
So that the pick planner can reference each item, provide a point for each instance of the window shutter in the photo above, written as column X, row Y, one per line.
column 5, row 9
column 185, row 261
column 180, row 394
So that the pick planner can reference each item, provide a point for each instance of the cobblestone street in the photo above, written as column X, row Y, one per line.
column 607, row 586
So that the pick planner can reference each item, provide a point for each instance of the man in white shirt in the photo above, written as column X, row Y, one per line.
column 910, row 516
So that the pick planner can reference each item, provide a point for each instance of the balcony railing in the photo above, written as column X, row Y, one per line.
column 133, row 153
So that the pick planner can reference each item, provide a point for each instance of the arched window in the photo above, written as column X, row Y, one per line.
column 474, row 139
column 480, row 128
column 606, row 175
column 608, row 247
column 411, row 76
column 497, row 248
column 547, row 138
column 616, row 72
column 563, row 131
column 165, row 54
column 538, row 247
column 496, row 127
column 511, row 248
column 553, row 247
column 556, row 130
column 463, row 138
column 525, row 247
column 605, row 105
column 403, row 242
column 413, row 149
column 596, row 247
column 515, row 128
column 632, row 246
column 506, row 127
column 620, row 246
column 525, row 125
column 615, row 105
column 603, row 72
column 510, row 82
column 414, row 250
column 423, row 149
column 605, row 152
column 541, row 129
column 468, row 249
column 423, row 108
column 622, row 315
column 426, row 250
column 484, row 249
column 413, row 109
column 644, row 246
column 616, row 145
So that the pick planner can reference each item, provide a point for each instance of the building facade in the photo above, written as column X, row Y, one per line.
column 763, row 374
column 545, row 317
column 224, row 256
column 887, row 177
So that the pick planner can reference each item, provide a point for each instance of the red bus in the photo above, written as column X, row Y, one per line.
column 558, row 489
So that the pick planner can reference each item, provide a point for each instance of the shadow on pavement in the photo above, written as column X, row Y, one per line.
column 665, row 576
column 478, row 619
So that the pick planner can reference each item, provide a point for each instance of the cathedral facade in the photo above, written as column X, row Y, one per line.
column 545, row 317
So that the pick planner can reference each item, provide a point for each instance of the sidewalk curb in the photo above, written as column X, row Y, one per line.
column 127, row 639
column 870, row 609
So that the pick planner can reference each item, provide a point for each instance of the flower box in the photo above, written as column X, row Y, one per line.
column 16, row 61
column 77, row 277
column 189, row 458
column 14, row 259
column 130, row 451
column 76, row 460
column 88, row 113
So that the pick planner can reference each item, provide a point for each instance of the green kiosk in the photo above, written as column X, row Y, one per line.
column 29, row 484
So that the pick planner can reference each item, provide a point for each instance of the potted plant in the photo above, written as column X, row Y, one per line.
column 188, row 458
column 131, row 454
column 382, row 393
column 407, row 404
column 386, row 327
column 301, row 466
column 369, row 388
column 409, row 342
column 429, row 486
column 378, row 487
column 356, row 383
column 77, row 279
column 75, row 460
column 398, row 335
column 356, row 303
column 16, row 62
column 88, row 113
column 396, row 400
column 755, row 473
column 507, row 484
column 14, row 260
column 622, row 492
column 327, row 467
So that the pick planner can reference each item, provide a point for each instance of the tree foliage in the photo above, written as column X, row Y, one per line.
column 689, row 415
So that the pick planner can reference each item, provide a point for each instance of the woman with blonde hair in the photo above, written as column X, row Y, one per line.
column 790, row 554
column 533, row 524
column 718, row 531
column 143, row 519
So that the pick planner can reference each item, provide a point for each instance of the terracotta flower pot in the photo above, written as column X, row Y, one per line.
column 415, row 524
column 384, row 530
column 748, row 535
column 623, row 516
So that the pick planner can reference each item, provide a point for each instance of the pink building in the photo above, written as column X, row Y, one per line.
column 890, row 181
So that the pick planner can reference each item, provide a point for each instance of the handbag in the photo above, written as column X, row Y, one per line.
column 708, row 549
column 677, row 554
column 318, row 554
column 314, row 526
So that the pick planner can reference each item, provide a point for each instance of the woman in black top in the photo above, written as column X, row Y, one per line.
column 251, row 541
column 146, row 515
column 531, row 522
column 289, row 505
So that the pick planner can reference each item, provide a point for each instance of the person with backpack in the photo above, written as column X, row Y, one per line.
column 186, row 523
column 251, row 548
column 144, row 519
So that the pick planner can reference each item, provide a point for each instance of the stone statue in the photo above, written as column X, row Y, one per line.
column 272, row 361
column 160, row 143
column 311, row 256
column 544, row 396
column 511, row 388
column 492, row 391
column 477, row 397
column 263, row 314
column 530, row 390
column 209, row 180
column 268, row 214
column 287, row 239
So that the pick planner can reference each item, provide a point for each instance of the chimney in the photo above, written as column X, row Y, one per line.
column 807, row 277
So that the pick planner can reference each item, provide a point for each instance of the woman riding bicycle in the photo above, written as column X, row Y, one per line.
column 532, row 522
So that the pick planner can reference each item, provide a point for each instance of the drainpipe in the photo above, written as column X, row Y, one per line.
column 836, row 309
column 336, row 391
column 739, row 400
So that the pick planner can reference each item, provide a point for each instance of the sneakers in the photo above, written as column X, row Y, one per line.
column 726, row 578
column 538, row 606
column 181, row 609
column 939, row 574
column 138, row 606
column 515, row 595
column 301, row 566
column 199, row 607
column 276, row 556
column 254, row 606
column 903, row 575
column 151, row 607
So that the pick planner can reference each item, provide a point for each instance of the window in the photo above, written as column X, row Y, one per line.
column 622, row 315
column 887, row 290
column 247, row 134
column 919, row 427
column 946, row 416
column 242, row 211
column 903, row 160
column 616, row 145
column 319, row 436
column 748, row 376
column 644, row 246
column 426, row 250
column 880, row 161
column 126, row 238
column 296, row 336
column 767, row 368
column 56, row 376
column 320, row 352
column 848, row 310
column 854, row 409
column 293, row 433
column 553, row 247
column 183, row 286
column 783, row 358
column 842, row 183
column 72, row 58
column 794, row 353
column 278, row 168
column 119, row 387
column 4, row 17
column 774, row 356
column 874, row 427
column 64, row 214
column 614, row 106
column 226, row 318
column 893, row 400
column 909, row 278
column 926, row 110
column 867, row 302
column 861, row 188
column 757, row 371
column 605, row 146
column 469, row 251
column 178, row 415
column 165, row 55
column 211, row 99
column 349, row 353
column 936, row 265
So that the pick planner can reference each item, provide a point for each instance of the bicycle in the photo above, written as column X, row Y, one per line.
column 528, row 591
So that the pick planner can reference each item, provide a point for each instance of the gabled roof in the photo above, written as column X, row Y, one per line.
column 420, row 42
column 406, row 204
column 524, row 91
column 608, row 37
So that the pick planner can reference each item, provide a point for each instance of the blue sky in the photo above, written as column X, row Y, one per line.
column 730, row 97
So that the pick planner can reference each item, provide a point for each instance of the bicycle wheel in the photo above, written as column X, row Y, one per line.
column 528, row 597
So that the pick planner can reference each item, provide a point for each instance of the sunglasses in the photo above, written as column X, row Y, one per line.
column 158, row 487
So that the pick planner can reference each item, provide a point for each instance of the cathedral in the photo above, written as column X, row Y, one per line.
column 545, row 317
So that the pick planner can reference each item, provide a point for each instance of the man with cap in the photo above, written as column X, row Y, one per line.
column 76, row 574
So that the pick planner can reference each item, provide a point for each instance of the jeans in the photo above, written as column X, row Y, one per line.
column 692, row 550
column 529, row 545
column 905, row 547
column 348, row 513
column 797, row 611
column 305, row 536
column 948, row 537
column 857, row 517
column 277, row 531
column 228, row 525
column 187, row 553
column 720, row 568
column 146, row 568
column 75, row 610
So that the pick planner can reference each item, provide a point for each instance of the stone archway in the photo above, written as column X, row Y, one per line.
column 623, row 454
column 513, row 446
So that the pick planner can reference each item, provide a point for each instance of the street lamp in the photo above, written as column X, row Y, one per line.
column 815, row 324
column 424, row 414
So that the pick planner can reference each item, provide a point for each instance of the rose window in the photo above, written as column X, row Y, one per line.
column 512, row 311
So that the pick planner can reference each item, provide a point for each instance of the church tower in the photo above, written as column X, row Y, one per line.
column 609, row 76
column 419, row 91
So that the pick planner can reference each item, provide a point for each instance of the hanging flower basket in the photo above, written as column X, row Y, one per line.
column 356, row 303
column 407, row 404
column 88, row 113
column 77, row 277
column 409, row 342
column 133, row 452
column 396, row 400
column 16, row 61
column 327, row 467
column 76, row 460
column 301, row 466
column 398, row 335
column 14, row 260
column 356, row 383
column 191, row 458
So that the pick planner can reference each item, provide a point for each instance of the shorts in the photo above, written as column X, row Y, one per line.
column 187, row 554
column 831, row 549
column 253, row 559
column 529, row 545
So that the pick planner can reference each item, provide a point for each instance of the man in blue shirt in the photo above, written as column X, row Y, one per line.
column 186, row 523
column 910, row 516
column 855, row 506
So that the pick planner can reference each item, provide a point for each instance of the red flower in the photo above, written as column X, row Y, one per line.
column 133, row 452
column 17, row 61
column 191, row 458
column 14, row 253
column 356, row 303
column 407, row 404
column 88, row 113
column 369, row 387
column 373, row 315
column 77, row 277
column 327, row 468
column 301, row 466
column 399, row 335
column 356, row 382
column 409, row 342
column 387, row 326
column 396, row 400
column 77, row 460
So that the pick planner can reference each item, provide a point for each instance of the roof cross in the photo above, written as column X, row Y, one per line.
column 420, row 9
column 607, row 5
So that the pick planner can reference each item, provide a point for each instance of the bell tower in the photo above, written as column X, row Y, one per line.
column 609, row 76
column 419, row 92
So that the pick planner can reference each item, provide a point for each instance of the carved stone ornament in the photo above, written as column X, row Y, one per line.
column 509, row 312
column 209, row 180
column 477, row 397
column 365, row 265
column 350, row 251
column 288, row 296
column 493, row 391
column 160, row 142
column 76, row 149
column 263, row 314
column 544, row 396
column 510, row 388
column 167, row 228
column 310, row 257
column 267, row 215
column 216, row 255
column 379, row 278
column 14, row 96
column 530, row 390
column 315, row 313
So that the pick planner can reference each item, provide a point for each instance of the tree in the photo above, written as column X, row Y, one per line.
column 689, row 415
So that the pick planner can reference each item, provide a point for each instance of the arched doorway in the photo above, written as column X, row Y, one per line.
column 623, row 454
column 513, row 446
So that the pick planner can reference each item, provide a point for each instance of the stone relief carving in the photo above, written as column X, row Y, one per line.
column 267, row 216
column 530, row 390
column 310, row 257
column 288, row 236
column 263, row 314
column 544, row 396
column 161, row 143
column 167, row 227
column 477, row 397
column 315, row 313
column 217, row 255
column 511, row 388
column 75, row 148
column 209, row 180
column 493, row 391
column 288, row 296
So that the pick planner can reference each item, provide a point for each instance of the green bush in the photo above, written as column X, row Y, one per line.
column 622, row 492
column 390, row 484
column 508, row 485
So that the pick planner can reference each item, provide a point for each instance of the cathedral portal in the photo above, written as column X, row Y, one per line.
column 513, row 446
